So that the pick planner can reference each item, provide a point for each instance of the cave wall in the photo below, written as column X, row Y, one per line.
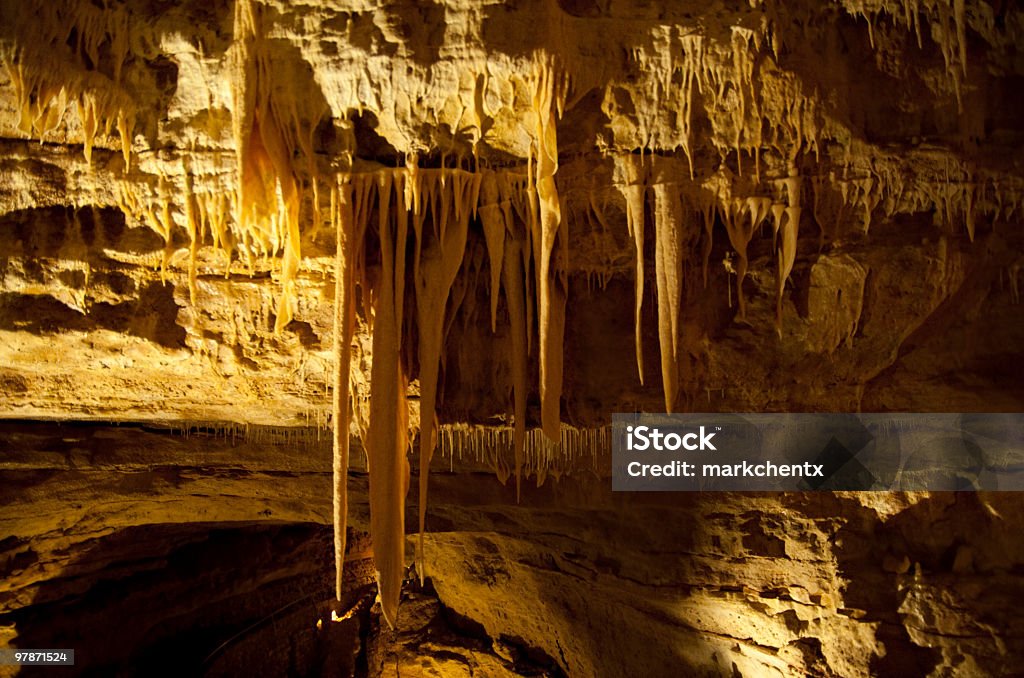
column 136, row 545
column 772, row 206
column 906, row 221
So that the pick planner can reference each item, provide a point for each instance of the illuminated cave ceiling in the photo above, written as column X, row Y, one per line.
column 859, row 147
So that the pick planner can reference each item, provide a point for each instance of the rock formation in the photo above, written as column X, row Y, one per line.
column 391, row 242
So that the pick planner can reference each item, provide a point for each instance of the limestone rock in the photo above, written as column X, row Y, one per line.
column 522, row 217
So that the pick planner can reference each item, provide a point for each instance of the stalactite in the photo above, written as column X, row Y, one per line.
column 668, row 261
column 516, row 189
column 631, row 182
column 692, row 72
column 437, row 259
column 214, row 210
column 778, row 213
column 1014, row 273
column 492, row 218
column 64, row 39
column 344, row 321
column 970, row 193
column 741, row 219
column 789, row 228
column 548, row 96
column 708, row 219
column 386, row 441
column 268, row 200
column 575, row 449
column 512, row 272
column 194, row 227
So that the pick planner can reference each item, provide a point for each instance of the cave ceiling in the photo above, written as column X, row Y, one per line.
column 816, row 182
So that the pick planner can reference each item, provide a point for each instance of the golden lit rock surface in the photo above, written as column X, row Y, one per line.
column 483, row 227
column 874, row 126
column 572, row 577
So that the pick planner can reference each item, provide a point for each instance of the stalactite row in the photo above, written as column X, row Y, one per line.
column 152, row 206
column 433, row 208
column 836, row 201
column 681, row 56
column 749, row 102
column 267, row 130
column 257, row 434
column 267, row 220
column 492, row 447
column 549, row 91
column 70, row 56
column 948, row 21
column 574, row 450
column 678, row 209
column 962, row 202
column 204, row 215
column 958, row 194
column 753, row 106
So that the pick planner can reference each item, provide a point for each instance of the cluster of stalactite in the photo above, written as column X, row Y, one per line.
column 69, row 59
column 419, row 218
